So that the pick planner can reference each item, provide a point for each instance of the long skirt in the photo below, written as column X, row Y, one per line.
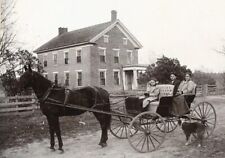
column 179, row 106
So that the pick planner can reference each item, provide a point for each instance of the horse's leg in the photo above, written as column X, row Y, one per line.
column 58, row 132
column 104, row 121
column 51, row 131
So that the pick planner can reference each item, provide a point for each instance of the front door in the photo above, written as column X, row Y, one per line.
column 129, row 80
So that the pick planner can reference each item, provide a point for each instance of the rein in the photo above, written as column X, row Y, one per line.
column 46, row 94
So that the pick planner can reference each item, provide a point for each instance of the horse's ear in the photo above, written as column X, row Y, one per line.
column 29, row 68
column 25, row 67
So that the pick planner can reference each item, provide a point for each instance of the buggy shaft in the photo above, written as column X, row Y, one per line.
column 78, row 107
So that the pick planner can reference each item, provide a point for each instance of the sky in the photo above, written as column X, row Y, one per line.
column 189, row 30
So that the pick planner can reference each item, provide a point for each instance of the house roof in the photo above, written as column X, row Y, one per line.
column 87, row 35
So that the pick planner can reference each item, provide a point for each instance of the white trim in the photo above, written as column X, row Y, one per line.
column 128, row 37
column 131, row 57
column 53, row 73
column 124, row 30
column 104, row 48
column 116, row 53
column 45, row 55
column 64, row 77
column 116, row 70
column 135, row 68
column 78, row 50
column 44, row 74
column 103, row 32
column 102, row 70
column 125, row 41
column 64, row 52
column 77, row 45
column 116, row 49
column 104, row 52
column 45, row 58
column 106, row 38
column 129, row 34
column 77, row 77
column 55, row 53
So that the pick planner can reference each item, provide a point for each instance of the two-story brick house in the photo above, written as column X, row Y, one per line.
column 104, row 55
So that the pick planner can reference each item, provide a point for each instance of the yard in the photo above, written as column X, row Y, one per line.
column 27, row 136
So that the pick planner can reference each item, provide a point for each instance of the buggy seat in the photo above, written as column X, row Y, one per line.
column 134, row 104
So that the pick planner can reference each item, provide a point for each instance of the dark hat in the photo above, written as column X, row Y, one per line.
column 173, row 73
column 153, row 78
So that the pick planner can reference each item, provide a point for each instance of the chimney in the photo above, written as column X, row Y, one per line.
column 113, row 15
column 62, row 30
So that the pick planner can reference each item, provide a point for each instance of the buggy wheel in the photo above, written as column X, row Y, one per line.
column 171, row 124
column 205, row 113
column 148, row 137
column 119, row 127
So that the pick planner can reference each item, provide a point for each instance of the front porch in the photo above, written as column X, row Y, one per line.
column 130, row 76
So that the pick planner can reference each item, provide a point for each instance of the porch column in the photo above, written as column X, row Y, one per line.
column 135, row 83
column 124, row 81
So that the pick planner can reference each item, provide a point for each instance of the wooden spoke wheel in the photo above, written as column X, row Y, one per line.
column 119, row 127
column 171, row 124
column 148, row 137
column 205, row 113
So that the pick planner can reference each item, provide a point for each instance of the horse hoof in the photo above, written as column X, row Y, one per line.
column 103, row 144
column 61, row 150
column 52, row 148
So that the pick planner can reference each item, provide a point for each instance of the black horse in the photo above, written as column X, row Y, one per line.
column 89, row 97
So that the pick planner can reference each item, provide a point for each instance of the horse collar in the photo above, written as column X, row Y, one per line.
column 46, row 94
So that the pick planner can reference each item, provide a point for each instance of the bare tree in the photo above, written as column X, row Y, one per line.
column 7, row 55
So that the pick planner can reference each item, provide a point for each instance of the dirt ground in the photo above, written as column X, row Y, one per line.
column 27, row 136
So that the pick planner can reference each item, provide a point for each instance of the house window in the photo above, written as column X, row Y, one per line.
column 55, row 59
column 106, row 38
column 79, row 56
column 116, row 56
column 45, row 75
column 116, row 77
column 129, row 56
column 102, row 55
column 66, row 57
column 79, row 78
column 55, row 77
column 45, row 60
column 102, row 75
column 67, row 79
column 124, row 41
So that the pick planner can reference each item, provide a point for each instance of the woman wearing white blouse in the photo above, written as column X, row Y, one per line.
column 152, row 91
column 187, row 86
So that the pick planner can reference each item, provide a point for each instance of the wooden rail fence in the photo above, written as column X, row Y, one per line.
column 18, row 105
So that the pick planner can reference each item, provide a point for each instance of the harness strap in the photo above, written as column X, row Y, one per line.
column 67, row 93
column 46, row 94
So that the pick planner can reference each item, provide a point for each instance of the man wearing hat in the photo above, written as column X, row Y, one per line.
column 175, row 82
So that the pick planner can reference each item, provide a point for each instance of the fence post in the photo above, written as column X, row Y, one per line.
column 16, row 101
column 205, row 90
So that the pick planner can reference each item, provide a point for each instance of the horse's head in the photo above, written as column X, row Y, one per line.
column 26, row 78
